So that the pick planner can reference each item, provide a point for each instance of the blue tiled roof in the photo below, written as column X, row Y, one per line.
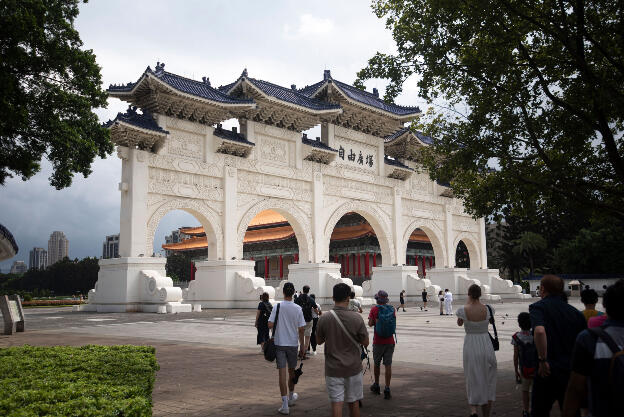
column 289, row 95
column 4, row 232
column 230, row 135
column 317, row 144
column 423, row 138
column 201, row 89
column 395, row 163
column 144, row 121
column 360, row 96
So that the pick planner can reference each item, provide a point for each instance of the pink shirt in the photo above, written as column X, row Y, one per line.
column 596, row 321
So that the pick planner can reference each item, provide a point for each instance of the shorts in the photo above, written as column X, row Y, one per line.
column 286, row 355
column 347, row 389
column 527, row 384
column 384, row 352
column 308, row 328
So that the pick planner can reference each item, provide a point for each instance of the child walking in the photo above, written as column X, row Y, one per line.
column 525, row 359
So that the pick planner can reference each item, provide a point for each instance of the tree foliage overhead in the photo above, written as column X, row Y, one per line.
column 533, row 88
column 48, row 87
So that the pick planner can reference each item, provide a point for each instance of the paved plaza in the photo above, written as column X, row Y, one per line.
column 210, row 365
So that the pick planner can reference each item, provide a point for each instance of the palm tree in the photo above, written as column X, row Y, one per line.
column 529, row 245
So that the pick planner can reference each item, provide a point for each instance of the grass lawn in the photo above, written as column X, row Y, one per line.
column 77, row 381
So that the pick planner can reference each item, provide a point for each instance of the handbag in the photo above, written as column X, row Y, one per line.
column 495, row 342
column 269, row 345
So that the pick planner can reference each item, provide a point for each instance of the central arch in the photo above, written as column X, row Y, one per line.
column 204, row 214
column 375, row 217
column 297, row 219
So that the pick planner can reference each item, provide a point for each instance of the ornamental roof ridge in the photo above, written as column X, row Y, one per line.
column 231, row 135
column 316, row 143
column 288, row 95
column 427, row 140
column 143, row 120
column 197, row 88
column 360, row 96
column 395, row 162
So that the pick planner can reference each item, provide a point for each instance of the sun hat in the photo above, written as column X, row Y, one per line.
column 381, row 297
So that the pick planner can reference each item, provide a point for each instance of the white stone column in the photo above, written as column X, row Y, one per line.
column 318, row 220
column 450, row 250
column 133, row 213
column 328, row 131
column 381, row 164
column 482, row 243
column 230, row 184
column 397, row 226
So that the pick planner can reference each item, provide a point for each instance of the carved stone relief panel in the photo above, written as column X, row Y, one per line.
column 184, row 184
column 355, row 190
column 172, row 123
column 274, row 186
column 422, row 209
column 186, row 144
column 465, row 224
column 273, row 150
column 186, row 165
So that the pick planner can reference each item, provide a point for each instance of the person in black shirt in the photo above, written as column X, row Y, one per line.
column 556, row 324
column 262, row 318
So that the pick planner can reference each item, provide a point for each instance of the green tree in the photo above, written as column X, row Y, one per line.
column 48, row 87
column 178, row 267
column 533, row 88
column 529, row 246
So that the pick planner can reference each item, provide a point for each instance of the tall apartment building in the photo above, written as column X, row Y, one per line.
column 58, row 247
column 38, row 258
column 110, row 247
column 18, row 267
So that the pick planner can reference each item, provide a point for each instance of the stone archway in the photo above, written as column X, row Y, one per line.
column 473, row 249
column 296, row 218
column 375, row 217
column 434, row 233
column 204, row 214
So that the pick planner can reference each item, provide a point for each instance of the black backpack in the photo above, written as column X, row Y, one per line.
column 616, row 369
column 306, row 304
column 527, row 357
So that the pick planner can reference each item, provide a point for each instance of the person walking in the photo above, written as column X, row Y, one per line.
column 315, row 318
column 402, row 300
column 441, row 300
column 262, row 319
column 598, row 362
column 354, row 305
column 307, row 307
column 448, row 302
column 289, row 332
column 556, row 324
column 383, row 318
column 479, row 358
column 525, row 359
column 424, row 298
column 343, row 332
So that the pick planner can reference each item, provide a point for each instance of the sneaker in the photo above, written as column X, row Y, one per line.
column 387, row 394
column 291, row 401
column 526, row 414
column 314, row 353
column 375, row 388
column 283, row 410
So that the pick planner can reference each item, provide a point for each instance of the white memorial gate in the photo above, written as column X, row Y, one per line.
column 173, row 157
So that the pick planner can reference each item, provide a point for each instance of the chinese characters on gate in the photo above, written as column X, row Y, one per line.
column 357, row 158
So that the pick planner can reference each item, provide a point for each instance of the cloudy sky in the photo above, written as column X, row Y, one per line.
column 285, row 42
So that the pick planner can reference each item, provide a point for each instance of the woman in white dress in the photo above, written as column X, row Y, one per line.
column 479, row 356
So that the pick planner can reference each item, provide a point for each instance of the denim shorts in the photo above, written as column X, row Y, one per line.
column 286, row 355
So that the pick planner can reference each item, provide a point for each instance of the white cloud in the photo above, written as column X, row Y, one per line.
column 309, row 27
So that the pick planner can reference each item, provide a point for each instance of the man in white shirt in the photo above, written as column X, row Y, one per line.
column 448, row 302
column 289, row 336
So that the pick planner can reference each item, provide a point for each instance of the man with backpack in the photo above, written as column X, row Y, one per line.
column 382, row 316
column 598, row 362
column 525, row 359
column 307, row 305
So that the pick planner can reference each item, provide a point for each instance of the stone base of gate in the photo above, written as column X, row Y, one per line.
column 226, row 284
column 134, row 285
column 321, row 279
column 501, row 287
column 394, row 279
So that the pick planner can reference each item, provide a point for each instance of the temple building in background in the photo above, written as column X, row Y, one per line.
column 58, row 247
column 271, row 243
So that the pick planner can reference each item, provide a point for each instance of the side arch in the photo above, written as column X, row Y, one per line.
column 470, row 240
column 434, row 233
column 375, row 217
column 208, row 218
column 297, row 219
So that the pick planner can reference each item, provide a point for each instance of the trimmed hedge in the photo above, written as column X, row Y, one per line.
column 67, row 302
column 77, row 381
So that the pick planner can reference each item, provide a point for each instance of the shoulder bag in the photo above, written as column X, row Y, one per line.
column 363, row 351
column 269, row 345
column 495, row 342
